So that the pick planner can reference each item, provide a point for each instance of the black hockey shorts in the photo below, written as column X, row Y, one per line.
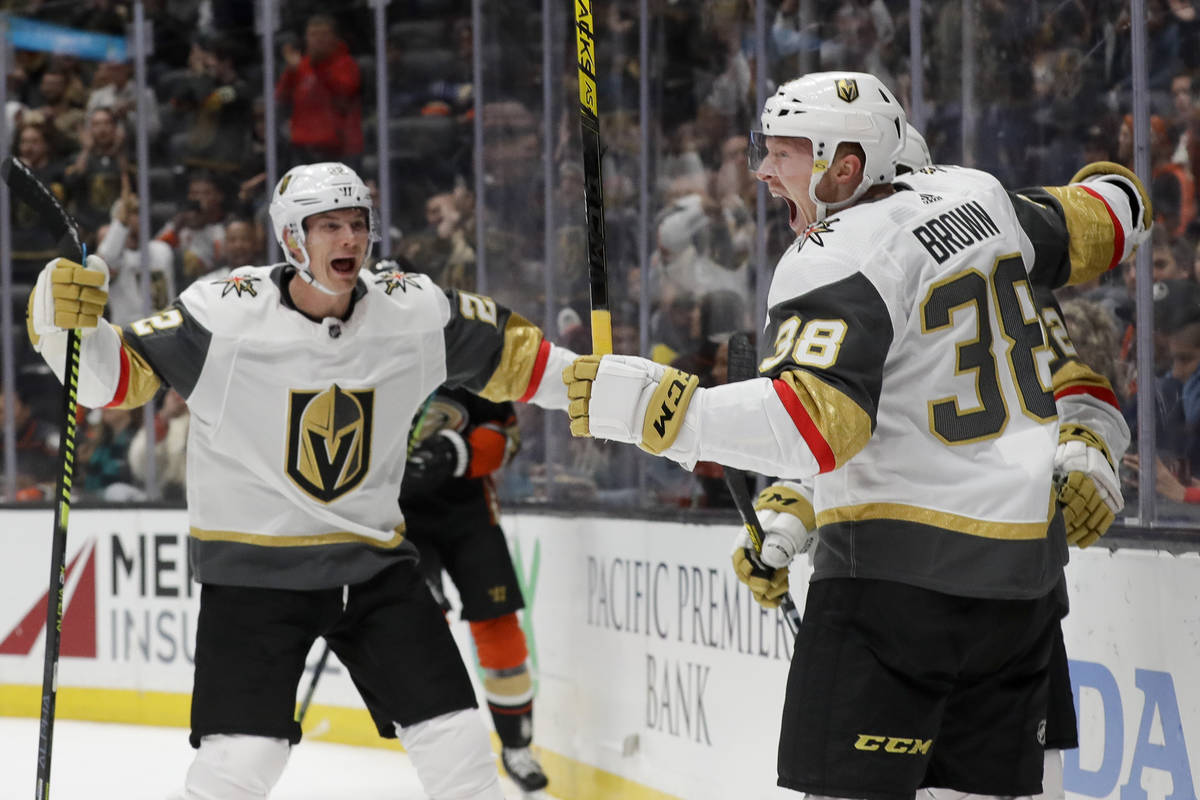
column 893, row 688
column 251, row 645
column 1062, row 730
column 476, row 558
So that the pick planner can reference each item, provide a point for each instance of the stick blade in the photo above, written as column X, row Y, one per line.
column 743, row 360
column 26, row 187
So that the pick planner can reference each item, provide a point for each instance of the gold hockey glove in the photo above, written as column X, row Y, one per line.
column 628, row 399
column 1088, row 488
column 67, row 295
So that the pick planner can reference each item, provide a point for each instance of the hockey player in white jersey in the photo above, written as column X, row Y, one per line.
column 909, row 377
column 1085, row 477
column 302, row 379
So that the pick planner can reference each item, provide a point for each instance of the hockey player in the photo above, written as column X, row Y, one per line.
column 450, row 508
column 301, row 379
column 907, row 378
column 1086, row 405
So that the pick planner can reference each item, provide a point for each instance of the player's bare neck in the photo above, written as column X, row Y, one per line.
column 315, row 304
column 878, row 192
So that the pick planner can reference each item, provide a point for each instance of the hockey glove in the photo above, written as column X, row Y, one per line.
column 1140, row 206
column 439, row 458
column 628, row 399
column 67, row 295
column 789, row 526
column 1088, row 488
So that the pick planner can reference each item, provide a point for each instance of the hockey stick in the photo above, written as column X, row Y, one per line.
column 743, row 367
column 306, row 701
column 29, row 190
column 593, row 184
column 312, row 685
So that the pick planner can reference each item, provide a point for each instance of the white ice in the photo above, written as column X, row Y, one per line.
column 102, row 761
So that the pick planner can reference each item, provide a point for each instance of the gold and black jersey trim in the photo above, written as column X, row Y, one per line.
column 942, row 560
column 1075, row 235
column 942, row 520
column 522, row 339
column 297, row 540
column 490, row 350
column 173, row 344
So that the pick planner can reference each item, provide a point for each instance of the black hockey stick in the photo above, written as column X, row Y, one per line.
column 593, row 184
column 25, row 187
column 743, row 366
column 312, row 685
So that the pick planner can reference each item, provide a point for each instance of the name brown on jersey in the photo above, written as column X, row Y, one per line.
column 956, row 229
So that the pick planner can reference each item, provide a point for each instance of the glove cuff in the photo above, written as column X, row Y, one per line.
column 786, row 500
column 461, row 449
column 1082, row 433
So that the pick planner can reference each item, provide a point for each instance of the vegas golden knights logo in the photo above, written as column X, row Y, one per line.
column 847, row 89
column 329, row 440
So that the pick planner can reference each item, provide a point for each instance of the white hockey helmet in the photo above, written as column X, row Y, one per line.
column 312, row 189
column 828, row 109
column 915, row 155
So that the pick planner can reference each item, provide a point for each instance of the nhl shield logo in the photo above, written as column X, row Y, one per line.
column 329, row 440
column 847, row 89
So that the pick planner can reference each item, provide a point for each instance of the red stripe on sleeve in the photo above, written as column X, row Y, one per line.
column 539, row 368
column 1191, row 494
column 1098, row 392
column 804, row 423
column 1118, row 231
column 122, row 382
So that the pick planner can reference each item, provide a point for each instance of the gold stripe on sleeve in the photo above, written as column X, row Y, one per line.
column 1091, row 229
column 1075, row 373
column 521, row 342
column 843, row 423
column 143, row 383
column 936, row 519
column 300, row 540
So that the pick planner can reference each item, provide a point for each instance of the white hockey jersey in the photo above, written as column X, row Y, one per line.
column 299, row 428
column 909, row 373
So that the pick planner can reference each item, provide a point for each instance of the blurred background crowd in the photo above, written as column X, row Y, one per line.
column 484, row 180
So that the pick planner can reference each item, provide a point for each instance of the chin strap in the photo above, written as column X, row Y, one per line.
column 311, row 280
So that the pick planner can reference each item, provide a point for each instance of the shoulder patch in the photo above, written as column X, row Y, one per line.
column 391, row 281
column 237, row 285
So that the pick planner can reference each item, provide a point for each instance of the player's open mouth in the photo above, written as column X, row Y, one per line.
column 343, row 266
column 793, row 211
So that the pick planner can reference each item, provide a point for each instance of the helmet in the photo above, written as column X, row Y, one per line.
column 829, row 108
column 312, row 189
column 915, row 155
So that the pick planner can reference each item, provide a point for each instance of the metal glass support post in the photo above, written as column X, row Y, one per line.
column 1143, row 289
column 481, row 285
column 967, row 122
column 266, row 21
column 383, row 146
column 7, row 351
column 916, row 44
column 142, row 144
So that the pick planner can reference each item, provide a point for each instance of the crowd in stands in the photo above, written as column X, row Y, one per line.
column 1052, row 91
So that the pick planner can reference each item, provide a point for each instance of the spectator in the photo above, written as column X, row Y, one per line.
column 243, row 245
column 65, row 118
column 104, row 455
column 37, row 449
column 119, row 249
column 94, row 178
column 116, row 90
column 219, row 102
column 1173, row 190
column 197, row 233
column 1183, row 104
column 171, row 424
column 323, row 88
column 33, row 245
